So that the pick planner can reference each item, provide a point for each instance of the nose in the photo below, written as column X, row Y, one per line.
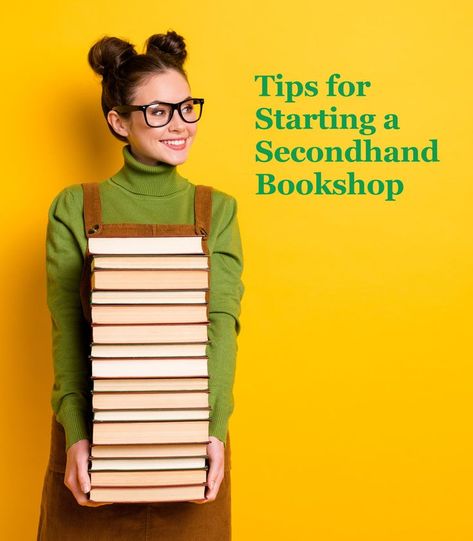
column 176, row 123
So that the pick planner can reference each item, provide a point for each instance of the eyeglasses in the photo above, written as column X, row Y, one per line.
column 159, row 113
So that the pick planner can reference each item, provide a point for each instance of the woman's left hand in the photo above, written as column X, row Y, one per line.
column 215, row 473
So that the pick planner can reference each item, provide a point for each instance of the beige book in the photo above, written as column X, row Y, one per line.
column 150, row 432
column 147, row 494
column 145, row 334
column 148, row 450
column 149, row 368
column 150, row 262
column 150, row 279
column 152, row 384
column 186, row 296
column 147, row 478
column 165, row 313
column 149, row 350
column 140, row 400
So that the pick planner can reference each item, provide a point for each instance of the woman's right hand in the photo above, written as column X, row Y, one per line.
column 77, row 478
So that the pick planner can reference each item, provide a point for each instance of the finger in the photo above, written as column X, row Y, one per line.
column 215, row 469
column 74, row 486
column 212, row 490
column 80, row 497
column 83, row 477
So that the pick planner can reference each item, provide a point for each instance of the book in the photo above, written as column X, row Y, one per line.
column 150, row 262
column 152, row 384
column 133, row 477
column 147, row 494
column 149, row 463
column 152, row 415
column 150, row 279
column 146, row 245
column 148, row 450
column 188, row 296
column 151, row 432
column 148, row 399
column 150, row 313
column 155, row 333
column 149, row 350
column 110, row 367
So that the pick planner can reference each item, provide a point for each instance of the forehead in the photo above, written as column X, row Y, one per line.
column 169, row 86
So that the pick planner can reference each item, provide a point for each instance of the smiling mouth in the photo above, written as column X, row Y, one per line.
column 175, row 144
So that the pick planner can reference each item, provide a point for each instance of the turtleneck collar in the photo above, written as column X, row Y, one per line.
column 140, row 178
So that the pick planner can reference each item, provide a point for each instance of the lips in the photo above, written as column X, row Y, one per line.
column 174, row 144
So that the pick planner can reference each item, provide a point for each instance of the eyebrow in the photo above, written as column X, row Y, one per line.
column 162, row 101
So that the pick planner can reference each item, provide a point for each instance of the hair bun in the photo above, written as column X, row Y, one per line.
column 171, row 44
column 106, row 56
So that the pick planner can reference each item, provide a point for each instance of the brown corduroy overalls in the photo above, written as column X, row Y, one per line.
column 61, row 517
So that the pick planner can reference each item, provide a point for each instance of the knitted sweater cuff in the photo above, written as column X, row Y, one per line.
column 219, row 425
column 76, row 426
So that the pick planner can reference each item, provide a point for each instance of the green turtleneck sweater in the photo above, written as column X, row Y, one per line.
column 138, row 193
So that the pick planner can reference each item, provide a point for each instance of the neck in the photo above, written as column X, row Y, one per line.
column 140, row 178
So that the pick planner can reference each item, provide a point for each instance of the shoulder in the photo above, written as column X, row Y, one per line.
column 224, row 210
column 69, row 195
column 67, row 205
column 223, row 202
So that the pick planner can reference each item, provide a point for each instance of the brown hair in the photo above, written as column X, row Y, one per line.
column 122, row 69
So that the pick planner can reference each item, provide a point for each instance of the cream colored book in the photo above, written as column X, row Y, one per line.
column 152, row 384
column 150, row 262
column 146, row 334
column 166, row 313
column 142, row 400
column 147, row 494
column 150, row 279
column 150, row 432
column 146, row 245
column 148, row 450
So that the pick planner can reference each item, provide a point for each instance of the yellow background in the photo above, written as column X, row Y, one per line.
column 353, row 417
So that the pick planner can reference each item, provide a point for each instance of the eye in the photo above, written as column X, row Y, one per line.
column 157, row 110
column 187, row 108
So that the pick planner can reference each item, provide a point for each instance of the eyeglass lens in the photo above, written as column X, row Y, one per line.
column 159, row 114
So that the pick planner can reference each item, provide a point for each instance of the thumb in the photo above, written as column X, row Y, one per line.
column 83, row 477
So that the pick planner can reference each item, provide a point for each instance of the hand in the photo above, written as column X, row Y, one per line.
column 77, row 478
column 216, row 452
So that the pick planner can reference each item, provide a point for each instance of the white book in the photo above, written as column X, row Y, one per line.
column 150, row 262
column 152, row 415
column 149, row 350
column 149, row 368
column 146, row 245
column 158, row 463
column 188, row 296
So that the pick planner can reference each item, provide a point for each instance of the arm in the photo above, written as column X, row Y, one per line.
column 64, row 259
column 226, row 292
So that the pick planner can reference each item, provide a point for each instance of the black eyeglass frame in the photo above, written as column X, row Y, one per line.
column 174, row 107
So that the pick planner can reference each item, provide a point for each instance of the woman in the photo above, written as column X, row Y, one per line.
column 147, row 189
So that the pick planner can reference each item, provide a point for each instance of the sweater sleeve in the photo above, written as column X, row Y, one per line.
column 226, row 292
column 64, row 259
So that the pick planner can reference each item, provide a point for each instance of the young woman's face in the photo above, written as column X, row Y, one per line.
column 151, row 145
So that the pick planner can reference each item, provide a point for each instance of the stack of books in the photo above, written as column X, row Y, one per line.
column 150, row 380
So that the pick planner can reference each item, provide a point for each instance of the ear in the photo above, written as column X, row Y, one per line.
column 118, row 124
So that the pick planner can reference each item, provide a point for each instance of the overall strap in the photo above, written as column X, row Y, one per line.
column 203, row 209
column 92, row 208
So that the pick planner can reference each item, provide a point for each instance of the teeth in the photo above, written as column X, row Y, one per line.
column 176, row 142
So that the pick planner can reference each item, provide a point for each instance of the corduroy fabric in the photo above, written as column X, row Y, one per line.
column 63, row 519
